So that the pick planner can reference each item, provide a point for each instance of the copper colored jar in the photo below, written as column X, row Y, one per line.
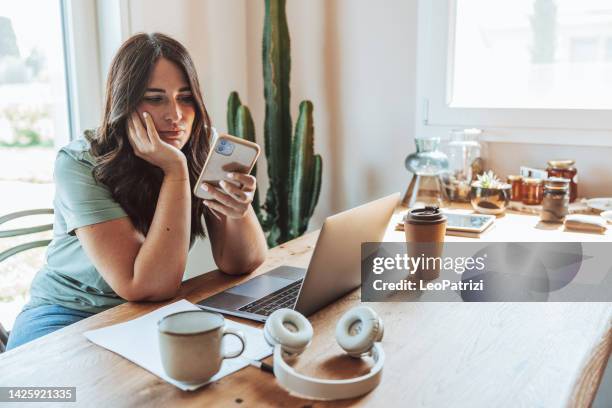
column 565, row 169
column 532, row 191
column 516, row 192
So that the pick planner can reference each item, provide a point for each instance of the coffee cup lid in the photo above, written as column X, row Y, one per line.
column 425, row 215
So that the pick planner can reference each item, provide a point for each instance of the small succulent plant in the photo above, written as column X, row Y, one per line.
column 488, row 180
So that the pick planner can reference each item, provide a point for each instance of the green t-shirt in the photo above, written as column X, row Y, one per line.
column 68, row 277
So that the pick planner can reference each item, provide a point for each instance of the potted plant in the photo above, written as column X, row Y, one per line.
column 489, row 195
column 294, row 170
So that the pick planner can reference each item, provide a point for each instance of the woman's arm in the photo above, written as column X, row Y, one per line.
column 139, row 268
column 237, row 240
column 161, row 260
column 151, row 268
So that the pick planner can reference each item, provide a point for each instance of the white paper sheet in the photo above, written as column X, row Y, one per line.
column 137, row 341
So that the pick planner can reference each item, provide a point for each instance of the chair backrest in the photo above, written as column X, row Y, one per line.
column 22, row 247
column 24, row 231
column 3, row 339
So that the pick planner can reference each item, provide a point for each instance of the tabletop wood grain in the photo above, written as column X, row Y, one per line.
column 438, row 354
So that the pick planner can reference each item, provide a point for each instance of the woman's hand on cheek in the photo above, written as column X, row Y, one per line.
column 148, row 146
column 233, row 201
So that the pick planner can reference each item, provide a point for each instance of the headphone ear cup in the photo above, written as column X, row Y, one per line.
column 358, row 329
column 289, row 329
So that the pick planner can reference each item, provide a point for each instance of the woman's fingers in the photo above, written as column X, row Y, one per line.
column 242, row 196
column 139, row 128
column 233, row 201
column 142, row 139
column 148, row 146
column 132, row 138
column 247, row 181
column 132, row 129
column 221, row 196
column 238, row 207
column 151, row 130
column 223, row 209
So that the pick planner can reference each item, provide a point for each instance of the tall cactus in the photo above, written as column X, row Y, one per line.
column 294, row 171
column 240, row 123
column 304, row 174
column 276, row 59
column 233, row 103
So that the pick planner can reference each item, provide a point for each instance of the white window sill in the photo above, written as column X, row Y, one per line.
column 559, row 137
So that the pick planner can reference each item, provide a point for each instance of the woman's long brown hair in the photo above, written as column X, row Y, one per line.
column 134, row 183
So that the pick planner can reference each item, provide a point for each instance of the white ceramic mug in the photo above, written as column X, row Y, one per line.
column 190, row 344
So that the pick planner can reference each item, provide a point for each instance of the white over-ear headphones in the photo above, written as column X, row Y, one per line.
column 358, row 332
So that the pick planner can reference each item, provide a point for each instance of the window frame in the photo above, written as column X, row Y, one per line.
column 93, row 30
column 435, row 117
column 79, row 24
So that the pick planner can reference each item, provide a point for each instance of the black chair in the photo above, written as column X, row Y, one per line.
column 22, row 247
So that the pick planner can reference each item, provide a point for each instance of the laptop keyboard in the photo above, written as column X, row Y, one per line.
column 285, row 297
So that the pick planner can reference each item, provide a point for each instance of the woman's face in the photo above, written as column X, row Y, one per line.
column 169, row 101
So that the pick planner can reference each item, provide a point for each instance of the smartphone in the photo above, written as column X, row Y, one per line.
column 228, row 154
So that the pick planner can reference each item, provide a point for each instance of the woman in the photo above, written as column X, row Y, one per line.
column 125, row 216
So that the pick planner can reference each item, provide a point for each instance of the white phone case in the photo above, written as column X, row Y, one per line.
column 241, row 160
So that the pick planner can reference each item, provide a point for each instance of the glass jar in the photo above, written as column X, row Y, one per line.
column 555, row 204
column 427, row 165
column 516, row 191
column 565, row 169
column 532, row 191
column 463, row 153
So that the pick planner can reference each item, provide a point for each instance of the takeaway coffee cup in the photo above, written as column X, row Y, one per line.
column 425, row 229
column 190, row 344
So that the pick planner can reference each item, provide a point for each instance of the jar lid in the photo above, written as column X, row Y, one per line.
column 514, row 177
column 561, row 164
column 426, row 215
column 531, row 180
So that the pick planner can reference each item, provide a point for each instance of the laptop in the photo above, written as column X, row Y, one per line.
column 333, row 271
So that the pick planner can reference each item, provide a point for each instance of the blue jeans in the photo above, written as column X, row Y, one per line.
column 38, row 321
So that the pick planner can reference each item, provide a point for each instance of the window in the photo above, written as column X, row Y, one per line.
column 523, row 70
column 33, row 106
column 50, row 91
column 34, row 120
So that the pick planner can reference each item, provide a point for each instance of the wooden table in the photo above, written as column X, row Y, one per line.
column 438, row 354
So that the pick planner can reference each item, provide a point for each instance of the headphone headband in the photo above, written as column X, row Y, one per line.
column 358, row 332
column 323, row 389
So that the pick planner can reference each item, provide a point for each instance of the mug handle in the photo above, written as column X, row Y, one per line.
column 229, row 331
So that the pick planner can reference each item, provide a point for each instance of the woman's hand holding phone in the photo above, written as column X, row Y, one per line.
column 148, row 146
column 236, row 197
